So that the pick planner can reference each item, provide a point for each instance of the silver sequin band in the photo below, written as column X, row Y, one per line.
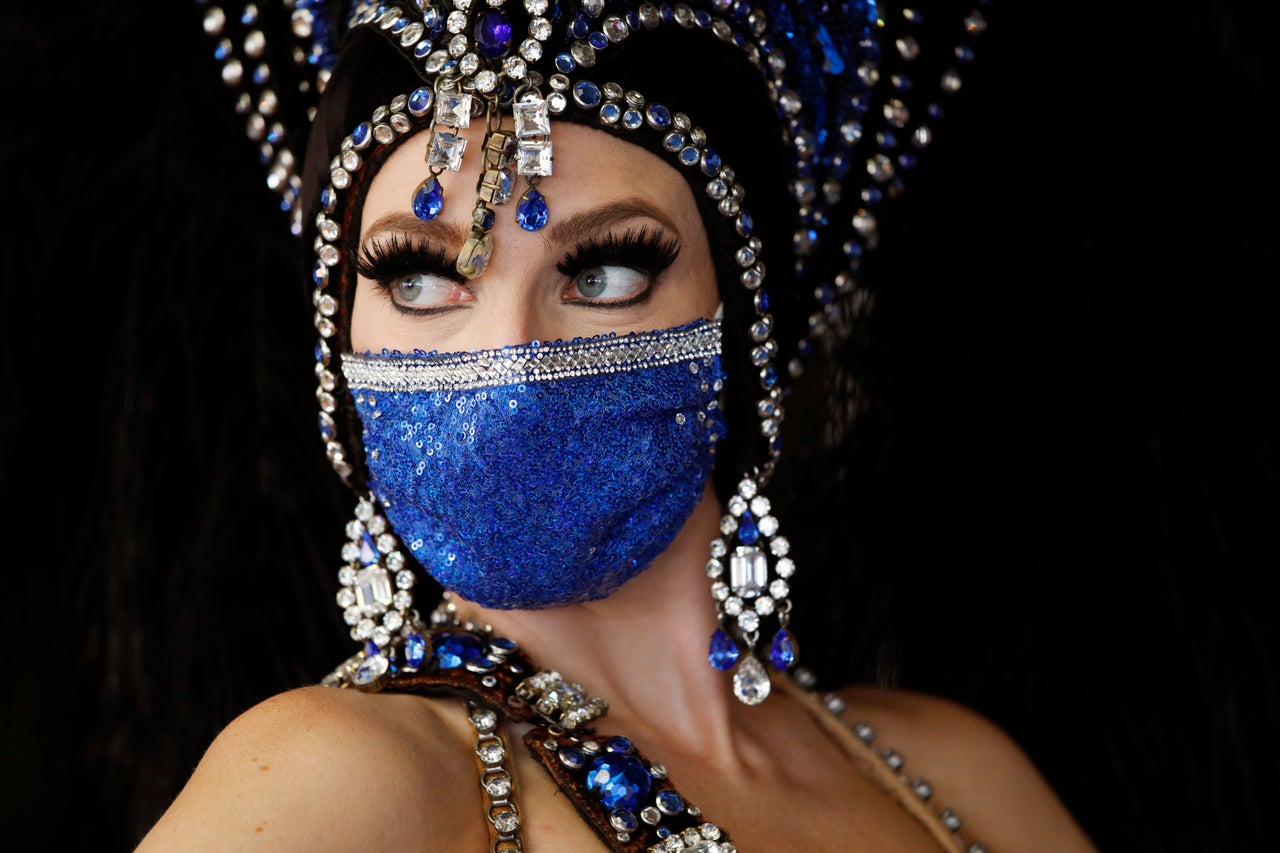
column 531, row 362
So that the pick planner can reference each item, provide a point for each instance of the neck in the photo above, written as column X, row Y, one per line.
column 644, row 648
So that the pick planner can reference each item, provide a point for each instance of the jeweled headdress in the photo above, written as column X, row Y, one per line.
column 794, row 121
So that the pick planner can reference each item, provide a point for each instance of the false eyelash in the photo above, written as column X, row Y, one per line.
column 643, row 249
column 385, row 260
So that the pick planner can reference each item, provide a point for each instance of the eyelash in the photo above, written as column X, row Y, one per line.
column 384, row 260
column 642, row 249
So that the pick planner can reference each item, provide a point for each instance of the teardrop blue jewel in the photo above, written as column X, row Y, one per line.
column 428, row 199
column 748, row 532
column 724, row 652
column 783, row 652
column 531, row 212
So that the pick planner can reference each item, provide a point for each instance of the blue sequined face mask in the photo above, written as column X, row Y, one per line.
column 544, row 474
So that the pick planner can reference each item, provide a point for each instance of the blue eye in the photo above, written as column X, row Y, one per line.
column 608, row 282
column 423, row 289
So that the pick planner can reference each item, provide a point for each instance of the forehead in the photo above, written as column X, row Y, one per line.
column 591, row 168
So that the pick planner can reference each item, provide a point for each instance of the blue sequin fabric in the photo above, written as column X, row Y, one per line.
column 543, row 474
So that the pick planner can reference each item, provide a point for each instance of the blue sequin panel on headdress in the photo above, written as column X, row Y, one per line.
column 547, row 473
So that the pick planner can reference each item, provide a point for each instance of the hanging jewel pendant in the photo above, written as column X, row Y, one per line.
column 428, row 199
column 531, row 211
column 750, row 681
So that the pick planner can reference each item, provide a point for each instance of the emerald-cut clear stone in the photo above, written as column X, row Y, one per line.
column 373, row 590
column 748, row 571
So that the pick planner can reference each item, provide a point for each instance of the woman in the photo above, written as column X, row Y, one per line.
column 577, row 269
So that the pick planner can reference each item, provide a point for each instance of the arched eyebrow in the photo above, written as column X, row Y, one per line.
column 580, row 226
column 445, row 233
column 573, row 229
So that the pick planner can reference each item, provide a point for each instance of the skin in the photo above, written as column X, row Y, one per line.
column 324, row 769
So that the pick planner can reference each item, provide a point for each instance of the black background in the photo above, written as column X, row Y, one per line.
column 1075, row 316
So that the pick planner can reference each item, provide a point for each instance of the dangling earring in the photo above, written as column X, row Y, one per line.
column 376, row 597
column 749, row 538
column 444, row 149
column 533, row 152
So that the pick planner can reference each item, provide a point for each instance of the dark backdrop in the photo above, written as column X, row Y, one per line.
column 1074, row 330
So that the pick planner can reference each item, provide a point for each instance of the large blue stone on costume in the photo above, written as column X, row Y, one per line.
column 619, row 781
column 458, row 648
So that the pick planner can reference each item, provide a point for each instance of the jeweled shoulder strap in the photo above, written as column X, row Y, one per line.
column 628, row 799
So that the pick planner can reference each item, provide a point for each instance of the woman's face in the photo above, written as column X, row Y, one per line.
column 624, row 250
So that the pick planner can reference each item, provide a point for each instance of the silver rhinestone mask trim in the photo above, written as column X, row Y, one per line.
column 530, row 362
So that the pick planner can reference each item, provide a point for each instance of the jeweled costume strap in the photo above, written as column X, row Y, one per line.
column 629, row 800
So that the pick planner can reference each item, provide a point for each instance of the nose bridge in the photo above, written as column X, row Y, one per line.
column 509, row 309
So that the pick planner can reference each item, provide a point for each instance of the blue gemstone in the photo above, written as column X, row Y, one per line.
column 724, row 652
column 578, row 29
column 748, row 533
column 664, row 832
column 710, row 162
column 398, row 25
column 368, row 551
column 597, row 40
column 565, row 63
column 586, row 93
column 833, row 62
column 702, row 18
column 503, row 644
column 623, row 820
column 609, row 113
column 669, row 801
column 433, row 18
column 668, row 14
column 428, row 200
column 485, row 221
column 370, row 648
column 769, row 376
column 619, row 744
column 633, row 20
column 762, row 301
column 326, row 430
column 360, row 136
column 783, row 653
column 619, row 781
column 572, row 757
column 455, row 649
column 659, row 116
column 493, row 33
column 415, row 650
column 420, row 100
column 631, row 119
column 689, row 156
column 422, row 48
column 532, row 211
column 745, row 224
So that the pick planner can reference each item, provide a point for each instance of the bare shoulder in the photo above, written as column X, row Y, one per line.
column 973, row 766
column 322, row 768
